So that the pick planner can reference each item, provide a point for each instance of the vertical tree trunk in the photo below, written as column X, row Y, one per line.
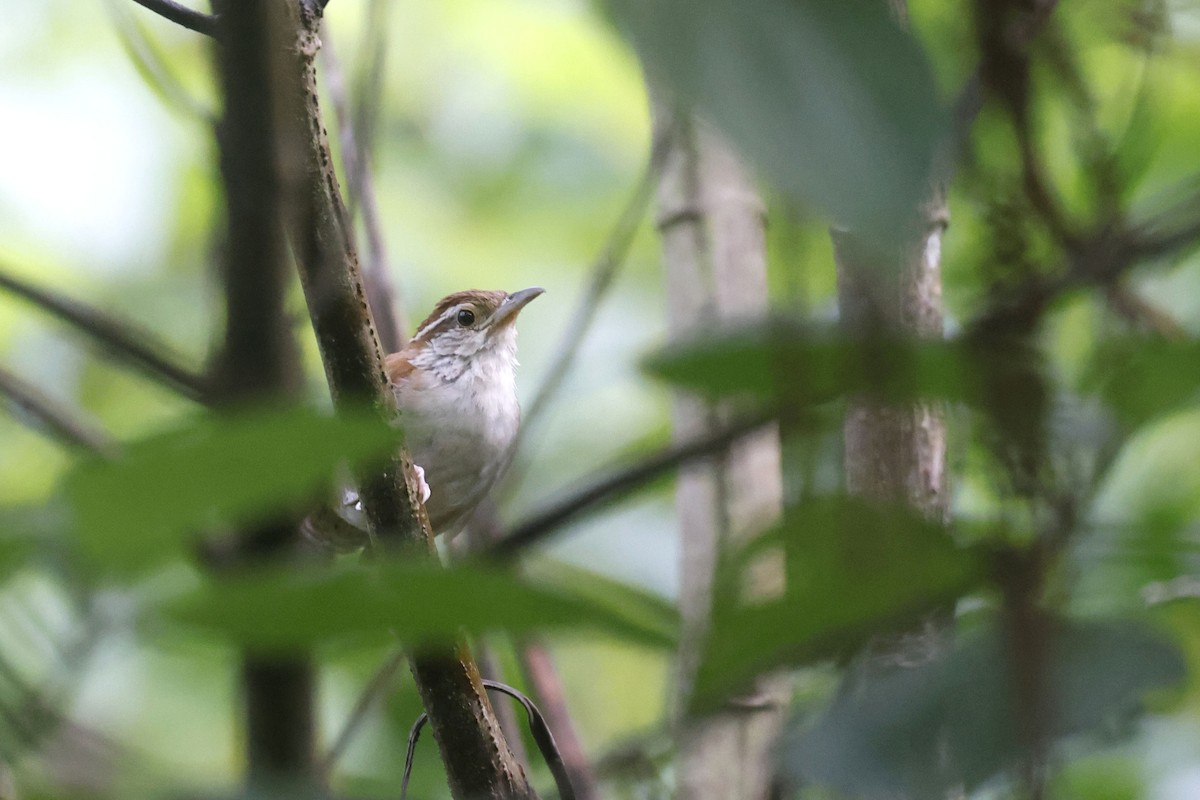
column 712, row 225
column 895, row 454
column 259, row 360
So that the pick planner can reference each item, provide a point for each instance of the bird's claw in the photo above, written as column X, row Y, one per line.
column 424, row 487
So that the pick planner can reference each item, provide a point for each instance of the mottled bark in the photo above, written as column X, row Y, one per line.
column 479, row 763
column 895, row 454
column 711, row 221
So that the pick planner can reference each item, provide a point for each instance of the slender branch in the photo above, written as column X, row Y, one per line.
column 1140, row 311
column 55, row 418
column 375, row 687
column 381, row 290
column 537, row 726
column 621, row 483
column 603, row 270
column 182, row 15
column 148, row 60
column 122, row 340
column 478, row 760
column 548, row 688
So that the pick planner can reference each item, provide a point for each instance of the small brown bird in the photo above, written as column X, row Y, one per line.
column 455, row 385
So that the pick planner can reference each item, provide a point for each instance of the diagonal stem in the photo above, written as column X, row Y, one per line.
column 122, row 340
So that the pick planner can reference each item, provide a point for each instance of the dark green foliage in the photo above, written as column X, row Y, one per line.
column 853, row 570
column 285, row 609
column 956, row 720
column 138, row 510
column 829, row 98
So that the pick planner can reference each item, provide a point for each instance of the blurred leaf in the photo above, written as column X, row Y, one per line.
column 136, row 511
column 784, row 359
column 1145, row 378
column 831, row 99
column 285, row 609
column 621, row 598
column 952, row 722
column 853, row 570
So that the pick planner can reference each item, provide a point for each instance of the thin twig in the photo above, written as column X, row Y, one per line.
column 1140, row 311
column 543, row 678
column 617, row 484
column 54, row 418
column 389, row 314
column 148, row 61
column 603, row 270
column 118, row 337
column 375, row 687
column 537, row 726
column 182, row 15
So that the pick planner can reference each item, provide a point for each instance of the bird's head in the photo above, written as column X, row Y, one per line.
column 468, row 325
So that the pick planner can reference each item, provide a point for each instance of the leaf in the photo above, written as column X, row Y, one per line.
column 282, row 609
column 622, row 598
column 952, row 722
column 1142, row 379
column 785, row 360
column 830, row 99
column 853, row 570
column 136, row 511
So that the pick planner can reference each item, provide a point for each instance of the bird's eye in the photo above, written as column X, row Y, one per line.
column 466, row 317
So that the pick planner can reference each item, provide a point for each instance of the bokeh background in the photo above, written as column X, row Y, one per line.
column 508, row 136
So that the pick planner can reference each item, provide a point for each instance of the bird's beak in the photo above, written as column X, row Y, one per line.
column 506, row 314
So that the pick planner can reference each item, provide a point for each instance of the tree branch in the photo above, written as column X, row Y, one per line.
column 618, row 484
column 381, row 293
column 55, row 418
column 604, row 269
column 478, row 761
column 120, row 339
column 259, row 359
column 182, row 15
column 378, row 684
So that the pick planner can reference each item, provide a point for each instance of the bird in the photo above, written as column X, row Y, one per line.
column 455, row 388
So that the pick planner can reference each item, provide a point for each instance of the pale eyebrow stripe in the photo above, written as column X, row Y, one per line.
column 445, row 315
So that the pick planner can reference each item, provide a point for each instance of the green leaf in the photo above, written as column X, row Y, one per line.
column 1142, row 379
column 136, row 511
column 621, row 598
column 788, row 361
column 283, row 609
column 853, row 570
column 953, row 722
column 22, row 530
column 831, row 99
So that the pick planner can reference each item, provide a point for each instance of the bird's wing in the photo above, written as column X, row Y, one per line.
column 397, row 367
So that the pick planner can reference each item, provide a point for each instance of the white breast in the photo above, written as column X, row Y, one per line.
column 461, row 430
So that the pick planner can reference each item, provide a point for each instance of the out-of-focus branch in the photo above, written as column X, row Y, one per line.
column 548, row 689
column 1140, row 311
column 182, row 15
column 259, row 361
column 56, row 419
column 478, row 761
column 969, row 101
column 120, row 339
column 381, row 292
column 380, row 682
column 601, row 275
column 620, row 483
column 148, row 60
column 712, row 225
